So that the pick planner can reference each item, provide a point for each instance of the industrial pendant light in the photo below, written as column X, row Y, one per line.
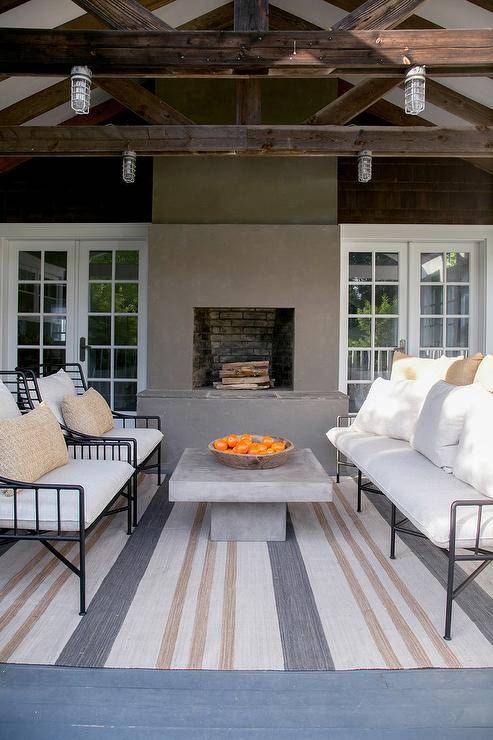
column 414, row 91
column 364, row 165
column 129, row 165
column 80, row 89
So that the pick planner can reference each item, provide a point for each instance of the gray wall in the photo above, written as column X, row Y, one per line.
column 243, row 265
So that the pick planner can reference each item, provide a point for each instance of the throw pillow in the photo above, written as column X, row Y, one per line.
column 8, row 406
column 474, row 460
column 53, row 390
column 441, row 420
column 484, row 375
column 463, row 370
column 88, row 414
column 31, row 445
column 406, row 367
column 391, row 408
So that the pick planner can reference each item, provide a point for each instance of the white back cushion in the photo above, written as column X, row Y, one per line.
column 8, row 406
column 441, row 420
column 484, row 374
column 391, row 408
column 474, row 460
column 53, row 388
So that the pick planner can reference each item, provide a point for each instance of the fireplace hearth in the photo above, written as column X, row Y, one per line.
column 223, row 335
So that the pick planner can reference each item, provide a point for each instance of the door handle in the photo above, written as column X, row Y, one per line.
column 402, row 345
column 83, row 346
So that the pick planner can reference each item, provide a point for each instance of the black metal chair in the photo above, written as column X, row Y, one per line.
column 74, row 370
column 16, row 381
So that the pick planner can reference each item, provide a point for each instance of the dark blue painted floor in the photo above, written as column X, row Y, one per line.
column 70, row 703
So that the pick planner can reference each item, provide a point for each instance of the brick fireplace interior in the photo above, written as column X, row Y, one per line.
column 239, row 335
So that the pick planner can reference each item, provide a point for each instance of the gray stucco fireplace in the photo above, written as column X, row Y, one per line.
column 238, row 292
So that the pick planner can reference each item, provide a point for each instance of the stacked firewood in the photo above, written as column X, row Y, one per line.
column 244, row 376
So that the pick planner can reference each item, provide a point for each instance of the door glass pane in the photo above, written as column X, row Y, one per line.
column 387, row 267
column 28, row 358
column 55, row 298
column 126, row 330
column 55, row 266
column 30, row 265
column 432, row 267
column 432, row 300
column 457, row 332
column 357, row 393
column 387, row 299
column 359, row 332
column 99, row 330
column 125, row 396
column 100, row 265
column 386, row 332
column 125, row 363
column 55, row 331
column 28, row 330
column 382, row 363
column 126, row 297
column 359, row 300
column 29, row 298
column 360, row 267
column 127, row 264
column 53, row 359
column 458, row 299
column 457, row 267
column 99, row 365
column 431, row 332
column 100, row 297
column 359, row 364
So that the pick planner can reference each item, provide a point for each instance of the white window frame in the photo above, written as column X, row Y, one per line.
column 386, row 234
column 12, row 236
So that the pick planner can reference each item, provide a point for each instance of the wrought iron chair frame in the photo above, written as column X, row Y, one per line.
column 95, row 449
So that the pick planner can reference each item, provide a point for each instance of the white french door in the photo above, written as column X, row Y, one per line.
column 423, row 296
column 81, row 300
column 374, row 307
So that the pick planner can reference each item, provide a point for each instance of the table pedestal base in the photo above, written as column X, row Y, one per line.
column 259, row 522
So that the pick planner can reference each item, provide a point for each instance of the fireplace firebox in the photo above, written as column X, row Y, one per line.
column 224, row 334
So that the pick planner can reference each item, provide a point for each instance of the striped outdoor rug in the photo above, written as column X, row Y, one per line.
column 327, row 598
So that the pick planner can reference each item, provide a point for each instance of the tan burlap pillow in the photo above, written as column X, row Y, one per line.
column 484, row 374
column 463, row 372
column 88, row 413
column 406, row 367
column 31, row 445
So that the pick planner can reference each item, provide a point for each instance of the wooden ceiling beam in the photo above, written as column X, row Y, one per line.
column 141, row 101
column 458, row 104
column 354, row 101
column 484, row 4
column 378, row 14
column 150, row 53
column 129, row 14
column 36, row 104
column 250, row 15
column 384, row 141
column 10, row 4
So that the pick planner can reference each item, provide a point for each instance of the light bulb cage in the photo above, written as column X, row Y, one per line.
column 415, row 91
column 129, row 166
column 80, row 90
column 365, row 158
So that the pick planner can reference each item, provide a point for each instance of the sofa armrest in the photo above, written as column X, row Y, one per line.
column 455, row 506
column 102, row 448
column 345, row 420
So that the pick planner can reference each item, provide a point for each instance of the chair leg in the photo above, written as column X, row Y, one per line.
column 159, row 471
column 129, row 508
column 450, row 591
column 392, row 531
column 359, row 491
column 82, row 573
column 134, row 498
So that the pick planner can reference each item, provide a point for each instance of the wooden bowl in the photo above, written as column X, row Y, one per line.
column 255, row 462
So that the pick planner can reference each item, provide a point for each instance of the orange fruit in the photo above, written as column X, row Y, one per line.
column 267, row 441
column 221, row 445
column 270, row 451
column 246, row 438
column 278, row 446
column 262, row 452
column 254, row 448
column 241, row 448
column 232, row 440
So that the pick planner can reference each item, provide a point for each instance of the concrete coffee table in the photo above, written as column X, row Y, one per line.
column 249, row 505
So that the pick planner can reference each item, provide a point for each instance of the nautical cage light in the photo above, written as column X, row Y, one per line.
column 414, row 91
column 129, row 165
column 80, row 89
column 364, row 165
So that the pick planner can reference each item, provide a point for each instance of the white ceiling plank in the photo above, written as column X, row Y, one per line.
column 40, row 14
column 476, row 88
column 316, row 11
column 14, row 89
column 182, row 11
column 64, row 112
column 456, row 14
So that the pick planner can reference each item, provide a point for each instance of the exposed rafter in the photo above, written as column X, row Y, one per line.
column 250, row 15
column 378, row 14
column 151, row 53
column 247, row 140
column 129, row 14
column 354, row 101
column 10, row 4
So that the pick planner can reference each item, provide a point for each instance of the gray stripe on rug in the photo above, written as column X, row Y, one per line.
column 474, row 601
column 303, row 640
column 91, row 642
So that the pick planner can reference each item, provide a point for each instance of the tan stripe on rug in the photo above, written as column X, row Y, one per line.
column 414, row 646
column 28, row 567
column 228, row 627
column 168, row 642
column 21, row 633
column 201, row 620
column 447, row 654
column 382, row 643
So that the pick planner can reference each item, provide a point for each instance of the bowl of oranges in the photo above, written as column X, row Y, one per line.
column 252, row 451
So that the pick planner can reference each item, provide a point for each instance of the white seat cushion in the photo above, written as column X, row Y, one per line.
column 421, row 491
column 147, row 439
column 8, row 406
column 101, row 481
